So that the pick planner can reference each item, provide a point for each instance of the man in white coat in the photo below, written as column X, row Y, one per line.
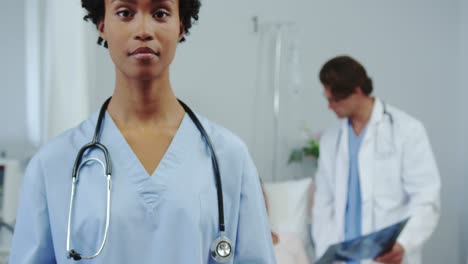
column 376, row 167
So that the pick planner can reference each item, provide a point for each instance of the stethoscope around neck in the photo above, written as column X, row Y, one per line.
column 221, row 249
column 382, row 148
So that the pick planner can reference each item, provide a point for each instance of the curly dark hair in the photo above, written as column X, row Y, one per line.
column 188, row 10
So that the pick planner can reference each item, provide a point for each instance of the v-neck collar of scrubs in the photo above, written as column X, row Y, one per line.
column 120, row 151
column 127, row 170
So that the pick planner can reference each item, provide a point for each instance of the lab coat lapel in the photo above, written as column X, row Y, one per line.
column 341, row 174
column 367, row 171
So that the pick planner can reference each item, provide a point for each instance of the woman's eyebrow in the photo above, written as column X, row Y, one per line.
column 128, row 1
column 134, row 1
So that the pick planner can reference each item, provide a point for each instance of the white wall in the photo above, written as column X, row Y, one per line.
column 463, row 154
column 44, row 82
column 13, row 131
column 66, row 63
column 411, row 49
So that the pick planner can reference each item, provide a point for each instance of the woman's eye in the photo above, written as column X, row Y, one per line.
column 124, row 13
column 161, row 14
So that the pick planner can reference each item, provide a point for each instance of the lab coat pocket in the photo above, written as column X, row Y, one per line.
column 387, row 180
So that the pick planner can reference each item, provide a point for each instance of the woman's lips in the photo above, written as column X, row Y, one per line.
column 144, row 53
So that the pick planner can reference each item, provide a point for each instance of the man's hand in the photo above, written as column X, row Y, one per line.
column 394, row 256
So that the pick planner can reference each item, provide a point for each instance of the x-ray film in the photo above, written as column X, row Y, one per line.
column 365, row 247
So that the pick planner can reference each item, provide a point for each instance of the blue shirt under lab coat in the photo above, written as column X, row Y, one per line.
column 169, row 217
column 353, row 221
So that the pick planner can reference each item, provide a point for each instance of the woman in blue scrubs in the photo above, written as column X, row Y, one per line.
column 164, row 204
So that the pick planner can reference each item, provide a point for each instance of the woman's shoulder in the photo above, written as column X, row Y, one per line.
column 67, row 142
column 223, row 139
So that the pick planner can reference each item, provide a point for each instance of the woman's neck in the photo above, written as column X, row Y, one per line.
column 137, row 102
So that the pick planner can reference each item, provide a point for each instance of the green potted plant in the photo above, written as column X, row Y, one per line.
column 310, row 149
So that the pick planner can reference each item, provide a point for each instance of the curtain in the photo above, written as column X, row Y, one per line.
column 63, row 78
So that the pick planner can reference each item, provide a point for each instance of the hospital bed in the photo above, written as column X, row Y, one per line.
column 290, row 204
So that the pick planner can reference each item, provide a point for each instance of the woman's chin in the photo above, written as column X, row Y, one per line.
column 144, row 76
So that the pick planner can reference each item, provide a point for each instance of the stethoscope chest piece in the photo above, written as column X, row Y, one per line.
column 221, row 249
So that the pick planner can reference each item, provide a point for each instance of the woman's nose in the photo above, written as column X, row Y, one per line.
column 144, row 36
column 144, row 32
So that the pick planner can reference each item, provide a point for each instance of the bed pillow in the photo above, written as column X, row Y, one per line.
column 290, row 206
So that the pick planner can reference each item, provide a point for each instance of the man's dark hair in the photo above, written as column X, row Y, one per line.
column 188, row 11
column 343, row 74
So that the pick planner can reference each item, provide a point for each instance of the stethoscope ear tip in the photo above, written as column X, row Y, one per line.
column 74, row 255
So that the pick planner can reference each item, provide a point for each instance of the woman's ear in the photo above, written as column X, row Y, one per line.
column 101, row 29
column 181, row 31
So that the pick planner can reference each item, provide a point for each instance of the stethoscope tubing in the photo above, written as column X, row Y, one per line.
column 95, row 144
column 385, row 112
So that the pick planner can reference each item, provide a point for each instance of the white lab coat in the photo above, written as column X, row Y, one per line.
column 395, row 184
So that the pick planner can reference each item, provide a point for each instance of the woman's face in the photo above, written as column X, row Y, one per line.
column 142, row 36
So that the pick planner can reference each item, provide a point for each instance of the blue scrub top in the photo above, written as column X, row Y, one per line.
column 170, row 217
column 353, row 216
